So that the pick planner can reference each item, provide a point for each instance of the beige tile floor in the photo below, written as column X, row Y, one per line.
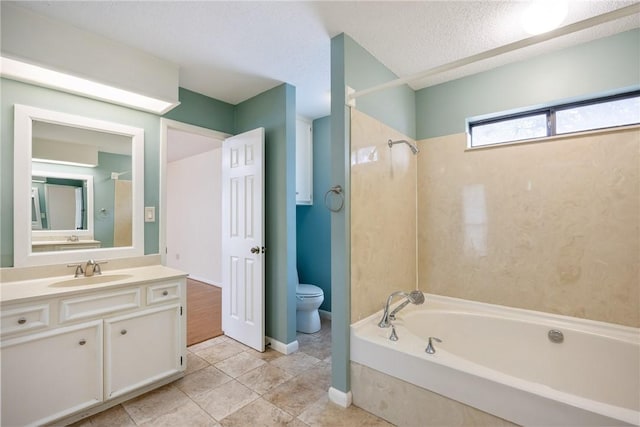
column 228, row 384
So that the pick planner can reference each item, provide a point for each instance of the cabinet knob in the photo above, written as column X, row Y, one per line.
column 165, row 293
column 22, row 321
column 123, row 332
column 82, row 341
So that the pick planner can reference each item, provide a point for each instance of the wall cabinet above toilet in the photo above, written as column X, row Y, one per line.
column 304, row 162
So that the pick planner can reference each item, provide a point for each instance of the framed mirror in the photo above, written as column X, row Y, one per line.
column 78, row 188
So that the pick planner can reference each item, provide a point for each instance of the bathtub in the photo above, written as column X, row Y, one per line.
column 500, row 360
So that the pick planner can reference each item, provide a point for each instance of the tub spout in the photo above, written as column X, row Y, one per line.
column 414, row 297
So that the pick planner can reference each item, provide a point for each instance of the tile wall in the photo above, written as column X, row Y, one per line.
column 551, row 226
column 383, row 215
column 405, row 404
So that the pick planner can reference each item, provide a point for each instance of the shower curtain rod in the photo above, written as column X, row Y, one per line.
column 520, row 44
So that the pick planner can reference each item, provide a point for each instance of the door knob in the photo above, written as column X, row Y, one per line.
column 255, row 250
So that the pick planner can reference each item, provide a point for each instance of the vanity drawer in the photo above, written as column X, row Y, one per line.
column 163, row 292
column 24, row 318
column 98, row 304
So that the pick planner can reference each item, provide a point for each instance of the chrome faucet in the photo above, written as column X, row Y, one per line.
column 92, row 267
column 414, row 297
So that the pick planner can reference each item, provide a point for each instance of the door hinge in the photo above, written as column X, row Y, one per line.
column 180, row 310
column 180, row 360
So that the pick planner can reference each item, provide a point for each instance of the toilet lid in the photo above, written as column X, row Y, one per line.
column 309, row 290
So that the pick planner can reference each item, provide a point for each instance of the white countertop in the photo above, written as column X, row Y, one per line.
column 25, row 290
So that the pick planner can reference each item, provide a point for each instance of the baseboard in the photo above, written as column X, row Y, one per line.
column 340, row 398
column 324, row 314
column 281, row 347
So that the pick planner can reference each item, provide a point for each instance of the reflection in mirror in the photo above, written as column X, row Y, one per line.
column 64, row 159
column 62, row 206
column 61, row 203
column 84, row 187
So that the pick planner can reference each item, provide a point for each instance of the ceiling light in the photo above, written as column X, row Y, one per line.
column 64, row 162
column 21, row 71
column 544, row 15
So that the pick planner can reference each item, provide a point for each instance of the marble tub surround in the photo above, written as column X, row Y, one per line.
column 228, row 384
column 383, row 215
column 412, row 405
column 550, row 226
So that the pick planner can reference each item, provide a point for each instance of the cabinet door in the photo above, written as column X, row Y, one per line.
column 52, row 374
column 141, row 348
column 304, row 163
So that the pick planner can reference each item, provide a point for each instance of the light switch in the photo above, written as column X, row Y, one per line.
column 150, row 214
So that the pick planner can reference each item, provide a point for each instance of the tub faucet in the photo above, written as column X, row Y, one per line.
column 415, row 297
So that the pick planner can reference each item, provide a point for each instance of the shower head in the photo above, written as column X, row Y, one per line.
column 414, row 147
column 416, row 297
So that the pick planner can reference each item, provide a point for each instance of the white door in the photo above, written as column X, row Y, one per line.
column 243, row 238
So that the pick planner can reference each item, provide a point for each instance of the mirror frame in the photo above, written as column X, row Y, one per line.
column 23, row 256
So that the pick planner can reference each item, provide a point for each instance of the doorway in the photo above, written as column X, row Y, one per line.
column 191, row 213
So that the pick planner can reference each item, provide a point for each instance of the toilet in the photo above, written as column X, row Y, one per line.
column 308, row 300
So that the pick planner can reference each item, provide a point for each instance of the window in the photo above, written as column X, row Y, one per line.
column 600, row 113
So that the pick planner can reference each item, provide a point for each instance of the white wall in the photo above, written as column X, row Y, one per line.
column 194, row 216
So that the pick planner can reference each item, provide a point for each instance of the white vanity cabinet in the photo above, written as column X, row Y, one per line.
column 72, row 354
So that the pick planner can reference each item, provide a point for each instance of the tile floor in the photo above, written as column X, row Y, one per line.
column 228, row 384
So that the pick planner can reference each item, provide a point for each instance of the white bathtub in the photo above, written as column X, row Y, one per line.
column 500, row 360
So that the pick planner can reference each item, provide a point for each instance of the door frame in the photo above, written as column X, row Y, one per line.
column 165, row 125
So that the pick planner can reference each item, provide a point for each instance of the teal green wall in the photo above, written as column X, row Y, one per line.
column 203, row 111
column 396, row 106
column 340, row 237
column 353, row 66
column 313, row 223
column 21, row 93
column 602, row 66
column 275, row 110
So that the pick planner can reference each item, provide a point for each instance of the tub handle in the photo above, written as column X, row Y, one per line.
column 430, row 348
column 393, row 336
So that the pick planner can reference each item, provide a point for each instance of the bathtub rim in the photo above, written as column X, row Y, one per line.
column 612, row 330
column 362, row 352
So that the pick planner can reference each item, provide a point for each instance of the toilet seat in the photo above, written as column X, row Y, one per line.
column 308, row 291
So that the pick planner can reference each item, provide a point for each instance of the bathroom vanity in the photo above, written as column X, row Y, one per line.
column 75, row 346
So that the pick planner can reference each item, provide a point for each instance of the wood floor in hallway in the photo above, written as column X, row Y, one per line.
column 204, row 311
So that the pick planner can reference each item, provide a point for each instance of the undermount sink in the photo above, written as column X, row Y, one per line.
column 93, row 280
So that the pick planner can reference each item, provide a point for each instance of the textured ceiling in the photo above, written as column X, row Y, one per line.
column 234, row 50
